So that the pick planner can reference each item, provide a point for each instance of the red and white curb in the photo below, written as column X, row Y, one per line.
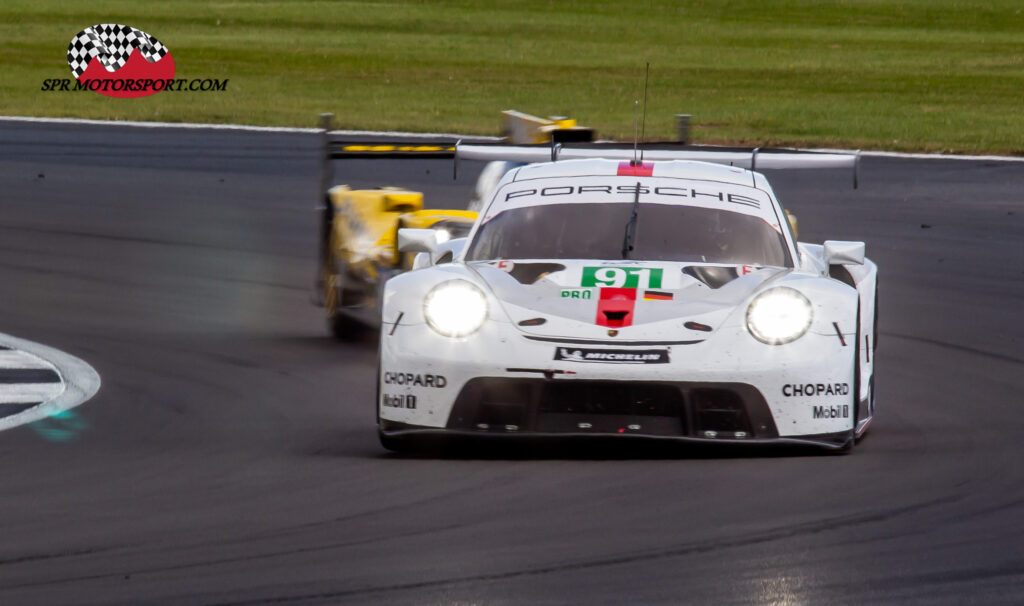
column 37, row 381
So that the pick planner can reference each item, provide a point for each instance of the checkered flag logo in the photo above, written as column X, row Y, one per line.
column 113, row 44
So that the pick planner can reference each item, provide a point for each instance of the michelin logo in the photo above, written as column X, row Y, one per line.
column 612, row 356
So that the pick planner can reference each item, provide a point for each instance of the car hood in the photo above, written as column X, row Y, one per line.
column 636, row 300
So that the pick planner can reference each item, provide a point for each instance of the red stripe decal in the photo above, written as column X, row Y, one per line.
column 640, row 170
column 615, row 307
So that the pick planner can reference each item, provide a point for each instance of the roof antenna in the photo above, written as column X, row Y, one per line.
column 636, row 121
column 643, row 127
column 636, row 132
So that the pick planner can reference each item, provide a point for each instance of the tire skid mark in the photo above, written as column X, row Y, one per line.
column 37, row 557
column 216, row 561
column 782, row 533
column 398, row 507
column 275, row 534
column 956, row 347
column 136, row 240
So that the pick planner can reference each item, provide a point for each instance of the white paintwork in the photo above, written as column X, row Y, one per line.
column 727, row 354
column 487, row 181
column 421, row 260
column 451, row 247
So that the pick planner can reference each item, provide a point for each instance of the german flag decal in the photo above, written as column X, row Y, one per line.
column 657, row 295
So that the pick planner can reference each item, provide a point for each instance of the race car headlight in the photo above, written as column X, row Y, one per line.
column 456, row 308
column 779, row 315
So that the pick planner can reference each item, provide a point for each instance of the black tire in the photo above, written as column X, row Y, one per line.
column 376, row 403
column 341, row 326
column 331, row 281
column 856, row 389
column 874, row 329
column 323, row 249
column 871, row 397
column 874, row 350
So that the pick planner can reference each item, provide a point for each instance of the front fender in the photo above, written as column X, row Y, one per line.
column 404, row 294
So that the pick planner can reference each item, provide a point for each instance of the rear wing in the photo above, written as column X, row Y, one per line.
column 338, row 145
column 753, row 160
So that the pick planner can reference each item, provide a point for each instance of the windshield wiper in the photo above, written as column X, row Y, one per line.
column 630, row 235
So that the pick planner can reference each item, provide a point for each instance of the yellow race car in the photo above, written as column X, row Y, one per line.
column 359, row 248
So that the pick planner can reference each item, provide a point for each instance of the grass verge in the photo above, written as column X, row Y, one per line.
column 933, row 75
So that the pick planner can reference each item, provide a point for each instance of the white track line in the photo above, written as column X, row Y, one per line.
column 24, row 393
column 185, row 125
column 30, row 392
column 80, row 382
column 917, row 156
column 378, row 133
column 20, row 359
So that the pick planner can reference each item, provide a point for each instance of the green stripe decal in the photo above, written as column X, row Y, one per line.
column 622, row 277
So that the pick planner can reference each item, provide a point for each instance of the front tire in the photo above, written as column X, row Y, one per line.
column 852, row 441
column 340, row 325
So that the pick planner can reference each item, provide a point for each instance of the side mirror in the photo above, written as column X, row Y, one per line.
column 417, row 240
column 838, row 252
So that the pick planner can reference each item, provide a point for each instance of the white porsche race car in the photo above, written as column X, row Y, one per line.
column 665, row 299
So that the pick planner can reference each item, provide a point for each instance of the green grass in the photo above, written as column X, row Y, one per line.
column 912, row 74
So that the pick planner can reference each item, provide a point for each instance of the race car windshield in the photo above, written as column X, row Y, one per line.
column 664, row 232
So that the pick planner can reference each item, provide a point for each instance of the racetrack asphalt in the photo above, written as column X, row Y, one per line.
column 231, row 455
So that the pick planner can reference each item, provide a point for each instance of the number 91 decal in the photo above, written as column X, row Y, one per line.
column 621, row 277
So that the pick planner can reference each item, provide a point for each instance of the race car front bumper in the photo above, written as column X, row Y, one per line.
column 694, row 412
column 600, row 406
column 500, row 382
